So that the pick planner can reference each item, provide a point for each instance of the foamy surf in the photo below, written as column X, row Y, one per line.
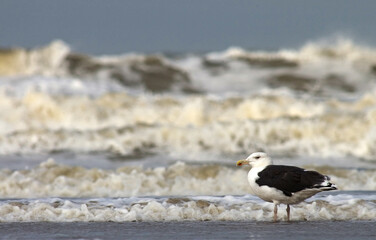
column 317, row 100
column 342, row 206
column 342, row 68
column 311, row 105
column 191, row 127
column 50, row 179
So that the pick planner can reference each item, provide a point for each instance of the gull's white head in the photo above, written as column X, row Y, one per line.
column 257, row 159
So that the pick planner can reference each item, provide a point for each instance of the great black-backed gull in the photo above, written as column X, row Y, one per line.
column 283, row 184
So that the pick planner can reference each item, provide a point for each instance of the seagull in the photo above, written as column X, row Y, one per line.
column 282, row 184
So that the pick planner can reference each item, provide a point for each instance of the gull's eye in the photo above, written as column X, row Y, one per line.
column 257, row 157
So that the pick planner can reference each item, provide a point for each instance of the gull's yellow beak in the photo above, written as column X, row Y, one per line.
column 241, row 162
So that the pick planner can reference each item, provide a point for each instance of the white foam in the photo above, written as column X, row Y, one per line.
column 52, row 179
column 45, row 60
column 189, row 127
column 342, row 57
column 49, row 110
column 228, row 208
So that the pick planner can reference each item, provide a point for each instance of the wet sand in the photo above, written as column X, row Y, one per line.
column 191, row 230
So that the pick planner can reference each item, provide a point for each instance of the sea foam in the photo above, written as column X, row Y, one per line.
column 344, row 206
column 50, row 179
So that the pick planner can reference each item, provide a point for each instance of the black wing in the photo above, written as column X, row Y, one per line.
column 289, row 179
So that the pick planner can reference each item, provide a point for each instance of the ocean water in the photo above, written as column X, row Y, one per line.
column 152, row 140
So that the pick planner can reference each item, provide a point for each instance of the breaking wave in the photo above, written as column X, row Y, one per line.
column 50, row 179
column 190, row 127
column 343, row 206
column 341, row 68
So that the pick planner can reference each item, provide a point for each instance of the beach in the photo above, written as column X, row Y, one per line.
column 190, row 230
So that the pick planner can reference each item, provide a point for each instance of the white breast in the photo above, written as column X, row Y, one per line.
column 264, row 192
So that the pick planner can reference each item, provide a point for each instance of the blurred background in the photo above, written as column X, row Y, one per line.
column 160, row 98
